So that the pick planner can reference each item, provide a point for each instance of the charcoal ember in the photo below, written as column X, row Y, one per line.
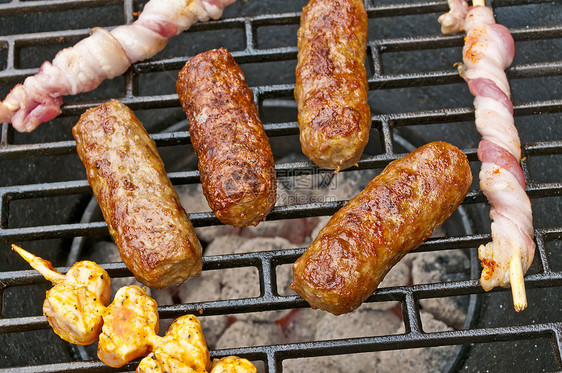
column 213, row 327
column 238, row 283
column 294, row 190
column 224, row 245
column 360, row 323
column 321, row 364
column 284, row 278
column 244, row 282
column 232, row 283
column 442, row 266
column 344, row 185
column 238, row 245
column 427, row 359
column 247, row 333
column 193, row 200
column 299, row 325
column 295, row 230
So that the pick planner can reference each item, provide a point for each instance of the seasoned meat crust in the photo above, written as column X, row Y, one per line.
column 235, row 159
column 331, row 87
column 394, row 214
column 152, row 230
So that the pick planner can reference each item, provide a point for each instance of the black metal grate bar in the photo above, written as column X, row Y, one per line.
column 18, row 151
column 267, row 261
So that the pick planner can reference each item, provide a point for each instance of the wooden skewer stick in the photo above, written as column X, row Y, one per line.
column 517, row 282
column 40, row 265
column 478, row 2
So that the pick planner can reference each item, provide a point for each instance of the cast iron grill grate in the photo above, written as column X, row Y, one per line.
column 384, row 125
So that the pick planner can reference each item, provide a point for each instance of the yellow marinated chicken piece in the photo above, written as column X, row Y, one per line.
column 76, row 310
column 130, row 324
column 183, row 349
column 232, row 364
column 74, row 306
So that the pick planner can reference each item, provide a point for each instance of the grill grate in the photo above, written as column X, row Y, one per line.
column 14, row 147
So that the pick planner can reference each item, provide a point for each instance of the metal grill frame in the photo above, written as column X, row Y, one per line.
column 266, row 262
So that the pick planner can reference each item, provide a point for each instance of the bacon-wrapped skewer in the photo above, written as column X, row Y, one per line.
column 77, row 307
column 102, row 55
column 488, row 51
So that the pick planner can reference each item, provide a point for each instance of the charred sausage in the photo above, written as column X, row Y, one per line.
column 331, row 88
column 152, row 230
column 394, row 214
column 235, row 159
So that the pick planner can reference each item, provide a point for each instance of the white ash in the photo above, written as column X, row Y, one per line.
column 214, row 327
column 246, row 333
column 322, row 364
column 444, row 266
column 193, row 200
column 295, row 230
column 426, row 359
column 357, row 324
column 284, row 278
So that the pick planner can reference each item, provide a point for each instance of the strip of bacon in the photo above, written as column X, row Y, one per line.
column 102, row 55
column 488, row 51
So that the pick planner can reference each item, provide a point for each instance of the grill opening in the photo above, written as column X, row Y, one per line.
column 415, row 96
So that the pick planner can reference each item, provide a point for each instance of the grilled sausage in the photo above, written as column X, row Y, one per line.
column 394, row 214
column 235, row 159
column 152, row 230
column 331, row 87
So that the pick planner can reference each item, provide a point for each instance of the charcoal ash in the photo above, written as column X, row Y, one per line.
column 432, row 267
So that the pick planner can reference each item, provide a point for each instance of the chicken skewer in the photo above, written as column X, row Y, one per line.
column 488, row 51
column 102, row 55
column 74, row 306
column 77, row 308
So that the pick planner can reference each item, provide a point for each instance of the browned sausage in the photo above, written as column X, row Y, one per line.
column 235, row 159
column 394, row 214
column 331, row 88
column 152, row 230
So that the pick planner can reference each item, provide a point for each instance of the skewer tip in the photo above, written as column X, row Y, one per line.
column 40, row 265
column 517, row 284
column 23, row 253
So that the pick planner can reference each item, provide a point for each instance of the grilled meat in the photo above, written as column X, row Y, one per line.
column 394, row 214
column 152, row 230
column 488, row 51
column 331, row 88
column 130, row 324
column 235, row 159
column 182, row 349
column 74, row 306
column 102, row 55
column 232, row 364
